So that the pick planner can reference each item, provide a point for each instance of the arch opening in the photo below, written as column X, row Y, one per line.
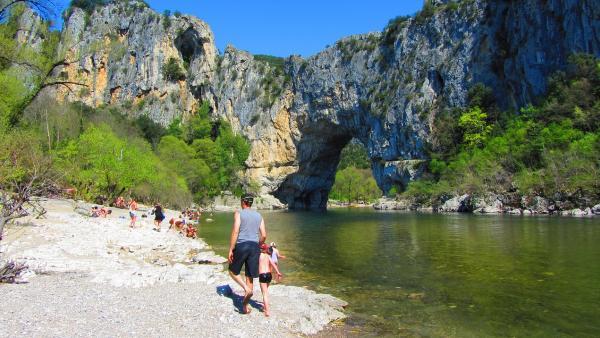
column 319, row 155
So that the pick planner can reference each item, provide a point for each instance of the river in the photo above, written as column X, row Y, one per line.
column 458, row 275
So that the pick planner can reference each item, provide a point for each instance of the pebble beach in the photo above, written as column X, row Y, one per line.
column 96, row 277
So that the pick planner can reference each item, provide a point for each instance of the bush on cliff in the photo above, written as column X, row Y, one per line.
column 172, row 71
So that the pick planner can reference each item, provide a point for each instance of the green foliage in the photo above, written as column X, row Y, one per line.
column 199, row 126
column 21, row 158
column 353, row 179
column 352, row 184
column 151, row 130
column 180, row 158
column 551, row 150
column 175, row 129
column 172, row 70
column 425, row 13
column 87, row 6
column 166, row 19
column 273, row 61
column 354, row 155
column 475, row 128
column 391, row 31
column 117, row 51
column 20, row 84
column 13, row 94
column 206, row 153
column 101, row 163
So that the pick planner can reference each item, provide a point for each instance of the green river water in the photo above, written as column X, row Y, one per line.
column 410, row 274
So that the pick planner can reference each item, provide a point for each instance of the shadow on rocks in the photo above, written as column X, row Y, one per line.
column 226, row 291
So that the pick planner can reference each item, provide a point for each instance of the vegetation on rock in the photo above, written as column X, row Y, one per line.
column 550, row 150
column 172, row 70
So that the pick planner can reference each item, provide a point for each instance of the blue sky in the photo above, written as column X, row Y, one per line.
column 282, row 28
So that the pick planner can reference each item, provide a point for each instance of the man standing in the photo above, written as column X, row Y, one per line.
column 247, row 234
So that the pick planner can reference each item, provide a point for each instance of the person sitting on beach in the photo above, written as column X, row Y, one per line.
column 95, row 211
column 264, row 275
column 120, row 202
column 103, row 212
column 178, row 223
column 190, row 231
column 132, row 212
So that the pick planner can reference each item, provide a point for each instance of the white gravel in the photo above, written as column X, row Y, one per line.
column 95, row 277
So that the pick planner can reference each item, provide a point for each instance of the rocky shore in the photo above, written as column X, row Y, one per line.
column 496, row 204
column 96, row 276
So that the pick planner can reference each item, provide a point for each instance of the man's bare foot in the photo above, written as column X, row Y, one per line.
column 267, row 314
column 245, row 302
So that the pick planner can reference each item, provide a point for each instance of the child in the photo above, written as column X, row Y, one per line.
column 275, row 254
column 264, row 275
column 132, row 212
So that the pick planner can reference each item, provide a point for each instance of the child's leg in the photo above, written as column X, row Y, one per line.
column 264, row 287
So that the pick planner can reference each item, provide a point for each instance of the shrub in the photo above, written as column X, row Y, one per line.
column 166, row 19
column 172, row 71
column 426, row 12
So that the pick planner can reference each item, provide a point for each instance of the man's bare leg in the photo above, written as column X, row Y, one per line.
column 250, row 285
column 247, row 290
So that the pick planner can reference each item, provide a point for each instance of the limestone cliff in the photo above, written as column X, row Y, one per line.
column 383, row 89
column 120, row 50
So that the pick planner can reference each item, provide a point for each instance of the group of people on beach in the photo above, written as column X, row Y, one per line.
column 184, row 224
column 248, row 248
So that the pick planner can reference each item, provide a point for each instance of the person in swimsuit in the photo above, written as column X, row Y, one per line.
column 247, row 233
column 275, row 254
column 132, row 212
column 264, row 275
column 104, row 212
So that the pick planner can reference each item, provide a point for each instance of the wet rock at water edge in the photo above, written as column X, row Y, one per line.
column 457, row 204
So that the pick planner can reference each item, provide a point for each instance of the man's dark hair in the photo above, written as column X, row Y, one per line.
column 248, row 199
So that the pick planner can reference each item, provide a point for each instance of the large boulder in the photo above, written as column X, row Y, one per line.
column 457, row 204
column 489, row 204
column 536, row 204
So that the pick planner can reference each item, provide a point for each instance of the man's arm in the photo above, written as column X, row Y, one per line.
column 263, row 232
column 234, row 235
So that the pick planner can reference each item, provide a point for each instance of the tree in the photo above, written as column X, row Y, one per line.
column 352, row 184
column 475, row 128
column 99, row 163
column 151, row 130
column 25, row 171
column 40, row 67
column 355, row 155
column 172, row 71
column 198, row 126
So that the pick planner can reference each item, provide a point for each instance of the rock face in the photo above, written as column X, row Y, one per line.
column 383, row 89
column 120, row 51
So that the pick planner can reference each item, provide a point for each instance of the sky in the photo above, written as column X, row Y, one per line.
column 283, row 27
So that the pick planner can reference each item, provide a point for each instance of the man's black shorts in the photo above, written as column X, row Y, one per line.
column 245, row 253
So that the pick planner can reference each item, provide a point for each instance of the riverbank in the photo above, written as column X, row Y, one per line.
column 96, row 275
column 495, row 204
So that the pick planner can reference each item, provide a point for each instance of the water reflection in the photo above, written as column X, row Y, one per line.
column 444, row 275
